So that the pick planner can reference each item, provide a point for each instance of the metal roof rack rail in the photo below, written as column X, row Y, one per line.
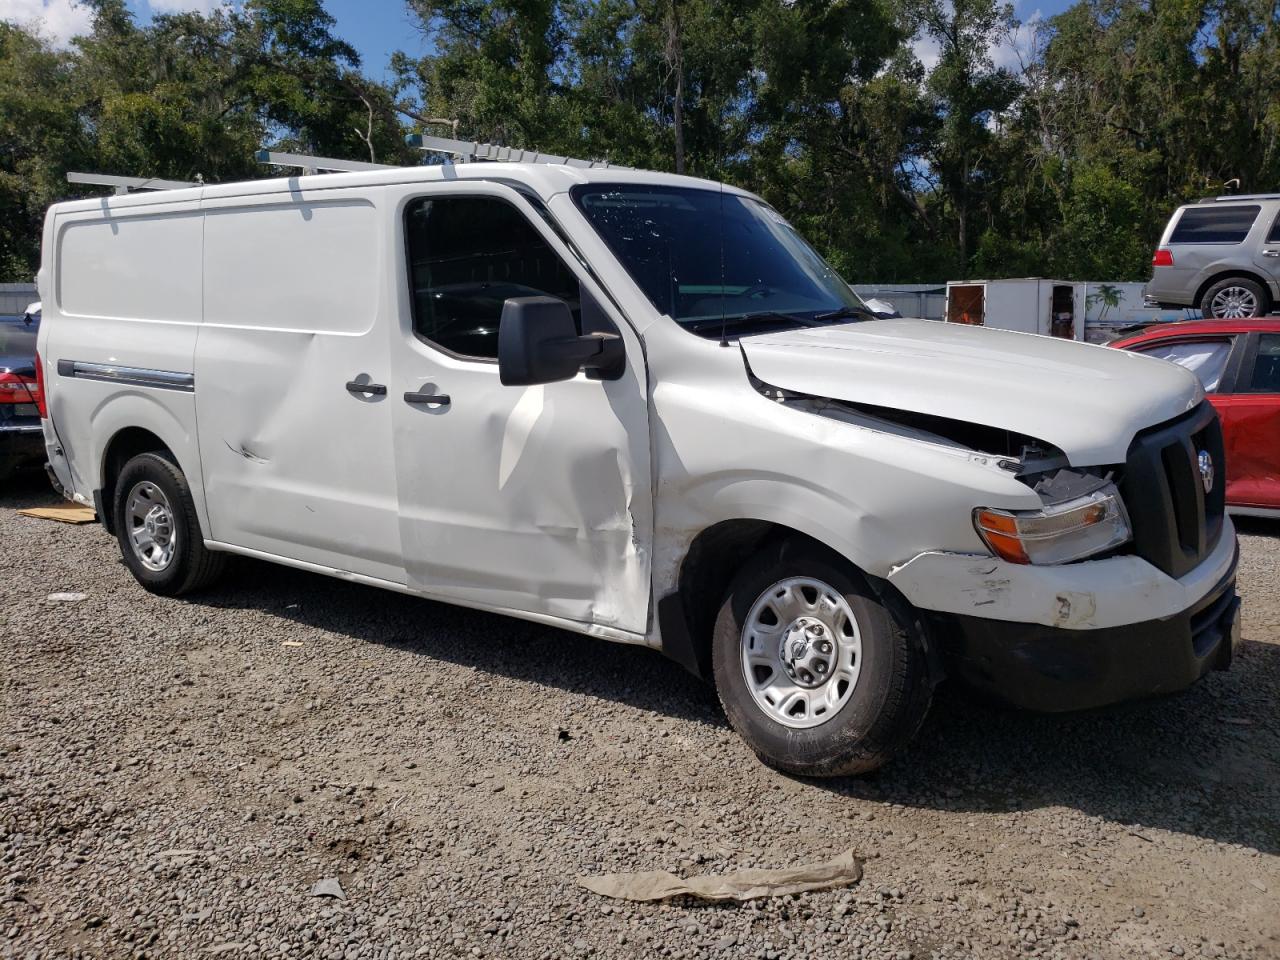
column 125, row 185
column 310, row 164
column 1228, row 197
column 471, row 151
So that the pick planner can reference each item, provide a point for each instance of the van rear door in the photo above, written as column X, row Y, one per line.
column 533, row 499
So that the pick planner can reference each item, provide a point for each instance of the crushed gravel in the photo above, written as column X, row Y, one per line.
column 294, row 766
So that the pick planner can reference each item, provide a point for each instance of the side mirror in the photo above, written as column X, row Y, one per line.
column 539, row 343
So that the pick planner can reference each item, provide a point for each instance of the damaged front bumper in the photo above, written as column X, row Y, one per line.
column 1077, row 636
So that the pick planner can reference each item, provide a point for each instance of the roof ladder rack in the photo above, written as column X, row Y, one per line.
column 471, row 151
column 124, row 185
column 310, row 164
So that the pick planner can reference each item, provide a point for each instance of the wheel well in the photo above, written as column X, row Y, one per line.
column 1227, row 275
column 714, row 557
column 122, row 448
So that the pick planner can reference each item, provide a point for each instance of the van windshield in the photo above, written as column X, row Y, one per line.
column 716, row 261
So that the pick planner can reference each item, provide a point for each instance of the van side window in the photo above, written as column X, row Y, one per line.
column 1274, row 235
column 467, row 257
column 1212, row 223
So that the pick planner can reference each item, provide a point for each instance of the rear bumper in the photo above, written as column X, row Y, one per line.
column 1158, row 304
column 1170, row 288
column 1055, row 669
column 20, row 447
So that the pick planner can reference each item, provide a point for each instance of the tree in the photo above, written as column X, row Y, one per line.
column 186, row 96
column 40, row 134
column 968, row 97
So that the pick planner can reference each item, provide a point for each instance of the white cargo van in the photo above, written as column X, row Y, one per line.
column 637, row 406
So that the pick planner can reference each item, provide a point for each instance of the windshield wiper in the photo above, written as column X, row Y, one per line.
column 846, row 313
column 746, row 319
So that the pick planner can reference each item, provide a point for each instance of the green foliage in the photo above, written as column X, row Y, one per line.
column 187, row 96
column 899, row 135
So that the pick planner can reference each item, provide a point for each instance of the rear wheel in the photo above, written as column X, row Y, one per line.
column 156, row 525
column 812, row 669
column 1234, row 298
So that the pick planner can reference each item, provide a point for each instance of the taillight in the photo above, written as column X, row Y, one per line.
column 1163, row 258
column 41, row 403
column 15, row 388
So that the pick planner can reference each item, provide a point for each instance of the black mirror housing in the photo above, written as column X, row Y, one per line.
column 539, row 343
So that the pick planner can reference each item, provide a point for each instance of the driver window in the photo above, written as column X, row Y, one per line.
column 468, row 256
column 1266, row 368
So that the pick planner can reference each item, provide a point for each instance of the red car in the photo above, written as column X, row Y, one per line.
column 1238, row 361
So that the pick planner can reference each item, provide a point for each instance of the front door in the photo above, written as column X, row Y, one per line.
column 529, row 499
column 1251, row 426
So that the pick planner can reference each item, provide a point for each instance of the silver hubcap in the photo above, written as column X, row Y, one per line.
column 1231, row 303
column 151, row 528
column 801, row 652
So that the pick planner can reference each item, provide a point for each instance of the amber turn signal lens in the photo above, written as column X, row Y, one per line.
column 1058, row 532
column 1000, row 531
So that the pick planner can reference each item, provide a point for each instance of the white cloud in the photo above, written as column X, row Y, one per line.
column 1012, row 51
column 927, row 50
column 58, row 20
column 1015, row 51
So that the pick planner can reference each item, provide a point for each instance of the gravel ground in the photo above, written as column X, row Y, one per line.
column 175, row 776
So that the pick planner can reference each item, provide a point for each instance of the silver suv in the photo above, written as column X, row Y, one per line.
column 1221, row 255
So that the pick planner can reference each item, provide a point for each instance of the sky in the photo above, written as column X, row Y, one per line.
column 376, row 28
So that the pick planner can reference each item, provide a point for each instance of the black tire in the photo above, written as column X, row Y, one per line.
column 1261, row 299
column 192, row 566
column 887, row 704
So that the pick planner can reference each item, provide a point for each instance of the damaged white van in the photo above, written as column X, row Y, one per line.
column 641, row 407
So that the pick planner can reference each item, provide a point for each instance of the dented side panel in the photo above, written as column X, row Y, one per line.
column 295, row 464
column 532, row 499
column 725, row 452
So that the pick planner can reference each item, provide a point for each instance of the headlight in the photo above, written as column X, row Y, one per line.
column 1059, row 533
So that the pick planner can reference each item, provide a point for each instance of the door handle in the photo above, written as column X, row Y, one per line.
column 1271, row 253
column 376, row 389
column 441, row 398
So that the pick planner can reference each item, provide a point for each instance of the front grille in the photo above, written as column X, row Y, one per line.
column 1176, row 524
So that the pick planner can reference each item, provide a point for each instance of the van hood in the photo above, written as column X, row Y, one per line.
column 1086, row 400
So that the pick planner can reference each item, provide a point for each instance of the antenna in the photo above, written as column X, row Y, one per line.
column 471, row 151
column 126, row 185
column 310, row 164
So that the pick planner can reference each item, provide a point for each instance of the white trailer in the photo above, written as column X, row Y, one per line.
column 1054, row 308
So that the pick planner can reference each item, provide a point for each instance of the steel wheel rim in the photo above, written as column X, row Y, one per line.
column 1233, row 303
column 152, row 531
column 801, row 652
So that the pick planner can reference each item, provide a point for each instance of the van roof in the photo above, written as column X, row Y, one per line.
column 545, row 179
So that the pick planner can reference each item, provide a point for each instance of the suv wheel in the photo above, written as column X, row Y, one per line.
column 156, row 525
column 1233, row 299
column 811, row 668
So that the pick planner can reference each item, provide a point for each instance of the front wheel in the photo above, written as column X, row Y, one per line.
column 159, row 533
column 812, row 669
column 1234, row 299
